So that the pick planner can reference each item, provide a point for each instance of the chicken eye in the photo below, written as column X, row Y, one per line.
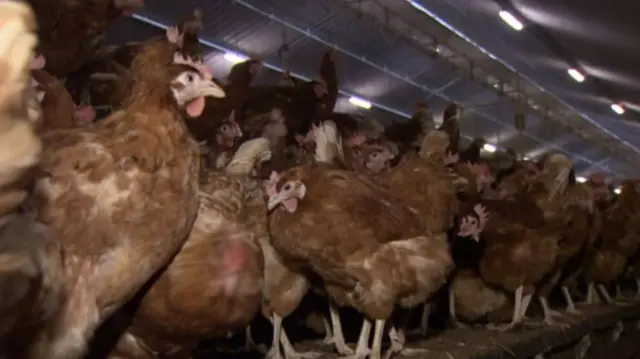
column 224, row 128
column 190, row 77
column 287, row 187
column 374, row 155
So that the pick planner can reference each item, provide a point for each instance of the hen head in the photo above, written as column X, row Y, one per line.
column 374, row 157
column 227, row 133
column 306, row 147
column 191, row 83
column 472, row 224
column 284, row 189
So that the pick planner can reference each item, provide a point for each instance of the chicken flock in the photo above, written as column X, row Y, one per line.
column 147, row 206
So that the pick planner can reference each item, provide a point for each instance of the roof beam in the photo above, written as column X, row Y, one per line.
column 389, row 72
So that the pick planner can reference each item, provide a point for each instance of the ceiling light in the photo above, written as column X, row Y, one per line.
column 581, row 179
column 617, row 190
column 356, row 101
column 617, row 108
column 235, row 58
column 577, row 75
column 489, row 147
column 526, row 158
column 511, row 20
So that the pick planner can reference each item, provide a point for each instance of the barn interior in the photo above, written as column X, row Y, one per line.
column 452, row 178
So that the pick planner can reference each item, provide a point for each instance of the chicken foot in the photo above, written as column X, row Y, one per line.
column 548, row 312
column 571, row 306
column 280, row 337
column 424, row 321
column 362, row 348
column 604, row 293
column 337, row 337
column 398, row 340
column 249, row 343
column 452, row 311
column 328, row 336
column 592, row 296
column 519, row 310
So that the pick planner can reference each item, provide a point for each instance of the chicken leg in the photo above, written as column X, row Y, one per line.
column 274, row 351
column 592, row 296
column 362, row 348
column 337, row 338
column 548, row 312
column 424, row 321
column 604, row 293
column 249, row 343
column 519, row 310
column 452, row 311
column 571, row 306
column 280, row 337
column 376, row 346
column 328, row 336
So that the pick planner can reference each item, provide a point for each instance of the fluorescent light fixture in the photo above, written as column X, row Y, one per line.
column 511, row 20
column 581, row 179
column 577, row 75
column 235, row 58
column 617, row 108
column 526, row 158
column 356, row 101
column 617, row 190
column 489, row 147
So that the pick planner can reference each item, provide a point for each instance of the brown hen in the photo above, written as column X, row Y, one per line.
column 120, row 197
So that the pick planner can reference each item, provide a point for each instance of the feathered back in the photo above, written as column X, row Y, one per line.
column 248, row 155
column 554, row 177
column 328, row 143
column 434, row 146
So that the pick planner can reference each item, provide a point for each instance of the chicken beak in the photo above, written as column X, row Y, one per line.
column 476, row 236
column 211, row 89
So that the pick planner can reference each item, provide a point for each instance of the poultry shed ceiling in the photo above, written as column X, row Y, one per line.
column 390, row 68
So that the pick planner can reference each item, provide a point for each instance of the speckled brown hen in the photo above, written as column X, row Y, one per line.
column 222, row 253
column 369, row 262
column 521, row 236
column 71, row 31
column 619, row 241
column 120, row 197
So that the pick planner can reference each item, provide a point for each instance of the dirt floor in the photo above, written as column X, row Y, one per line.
column 480, row 343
